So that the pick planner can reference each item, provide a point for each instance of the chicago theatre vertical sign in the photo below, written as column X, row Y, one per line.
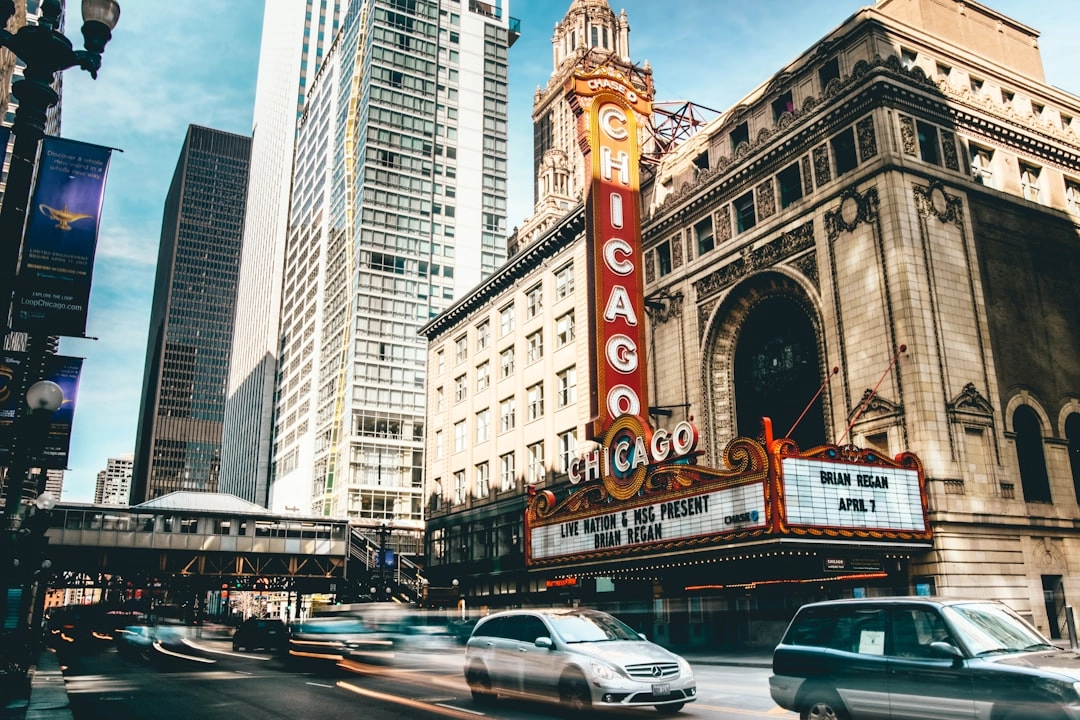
column 610, row 111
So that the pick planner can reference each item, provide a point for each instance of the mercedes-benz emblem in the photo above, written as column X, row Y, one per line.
column 657, row 671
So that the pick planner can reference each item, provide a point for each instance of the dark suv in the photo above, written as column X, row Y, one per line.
column 908, row 657
column 260, row 633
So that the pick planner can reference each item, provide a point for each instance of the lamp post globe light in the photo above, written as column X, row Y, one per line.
column 44, row 51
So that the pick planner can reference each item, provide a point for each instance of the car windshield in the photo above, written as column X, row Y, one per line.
column 592, row 627
column 988, row 629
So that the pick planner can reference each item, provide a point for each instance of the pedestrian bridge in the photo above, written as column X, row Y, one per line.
column 207, row 541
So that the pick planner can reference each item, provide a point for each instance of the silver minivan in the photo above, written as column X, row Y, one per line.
column 578, row 657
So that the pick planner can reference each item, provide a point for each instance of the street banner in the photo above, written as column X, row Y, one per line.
column 11, row 365
column 64, row 371
column 52, row 291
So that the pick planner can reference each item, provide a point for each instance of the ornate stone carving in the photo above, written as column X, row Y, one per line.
column 907, row 135
column 933, row 200
column 766, row 199
column 807, row 179
column 854, row 209
column 676, row 250
column 864, row 130
column 807, row 265
column 722, row 224
column 750, row 259
column 663, row 306
column 822, row 172
column 948, row 150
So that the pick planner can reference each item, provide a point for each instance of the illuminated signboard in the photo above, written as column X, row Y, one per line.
column 843, row 495
column 679, row 518
column 609, row 108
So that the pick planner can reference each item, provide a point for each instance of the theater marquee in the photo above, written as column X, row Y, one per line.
column 767, row 490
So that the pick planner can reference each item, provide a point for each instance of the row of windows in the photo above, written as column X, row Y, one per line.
column 535, row 472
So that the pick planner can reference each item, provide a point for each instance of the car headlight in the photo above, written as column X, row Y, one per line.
column 602, row 670
column 684, row 667
column 1076, row 691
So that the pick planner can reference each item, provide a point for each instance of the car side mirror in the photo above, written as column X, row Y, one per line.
column 944, row 649
column 642, row 636
column 544, row 643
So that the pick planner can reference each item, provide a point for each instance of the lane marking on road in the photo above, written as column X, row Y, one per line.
column 441, row 709
column 322, row 685
column 455, row 707
column 773, row 712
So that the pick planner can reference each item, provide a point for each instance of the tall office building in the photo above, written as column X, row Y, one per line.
column 178, row 442
column 296, row 36
column 114, row 482
column 399, row 207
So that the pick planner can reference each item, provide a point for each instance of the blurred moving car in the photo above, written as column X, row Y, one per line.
column 398, row 635
column 260, row 633
column 921, row 657
column 578, row 657
column 321, row 640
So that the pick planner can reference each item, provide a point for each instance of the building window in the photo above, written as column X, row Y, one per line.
column 944, row 71
column 1029, row 454
column 483, row 480
column 844, row 155
column 567, row 387
column 567, row 450
column 460, row 389
column 440, row 399
column 1072, row 196
column 739, row 135
column 534, row 301
column 507, row 477
column 438, row 444
column 744, row 212
column 506, row 415
column 928, row 142
column 459, row 436
column 976, row 86
column 703, row 232
column 437, row 494
column 483, row 376
column 459, row 487
column 535, row 409
column 781, row 105
column 440, row 361
column 564, row 282
column 534, row 345
column 483, row 425
column 461, row 349
column 790, row 181
column 506, row 320
column 663, row 258
column 483, row 335
column 981, row 169
column 506, row 363
column 828, row 72
column 908, row 58
column 564, row 330
column 1029, row 182
column 537, row 471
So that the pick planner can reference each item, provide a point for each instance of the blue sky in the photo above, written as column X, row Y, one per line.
column 171, row 64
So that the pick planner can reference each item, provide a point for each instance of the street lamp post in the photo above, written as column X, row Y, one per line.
column 45, row 51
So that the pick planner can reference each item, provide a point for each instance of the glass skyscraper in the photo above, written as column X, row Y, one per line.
column 178, row 443
column 398, row 207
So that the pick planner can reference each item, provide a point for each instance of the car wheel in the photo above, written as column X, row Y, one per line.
column 669, row 709
column 236, row 646
column 823, row 705
column 480, row 685
column 574, row 692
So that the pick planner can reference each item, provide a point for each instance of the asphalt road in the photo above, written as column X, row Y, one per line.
column 190, row 677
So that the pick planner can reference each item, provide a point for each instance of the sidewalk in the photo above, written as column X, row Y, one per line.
column 48, row 695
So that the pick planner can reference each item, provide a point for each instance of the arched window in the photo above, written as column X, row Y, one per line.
column 1072, row 434
column 777, row 372
column 1029, row 453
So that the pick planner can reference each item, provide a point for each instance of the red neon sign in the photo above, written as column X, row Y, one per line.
column 612, row 107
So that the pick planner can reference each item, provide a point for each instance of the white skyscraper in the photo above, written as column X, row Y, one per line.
column 114, row 482
column 398, row 208
column 295, row 37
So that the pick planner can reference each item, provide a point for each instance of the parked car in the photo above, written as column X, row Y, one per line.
column 575, row 656
column 928, row 658
column 260, row 633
